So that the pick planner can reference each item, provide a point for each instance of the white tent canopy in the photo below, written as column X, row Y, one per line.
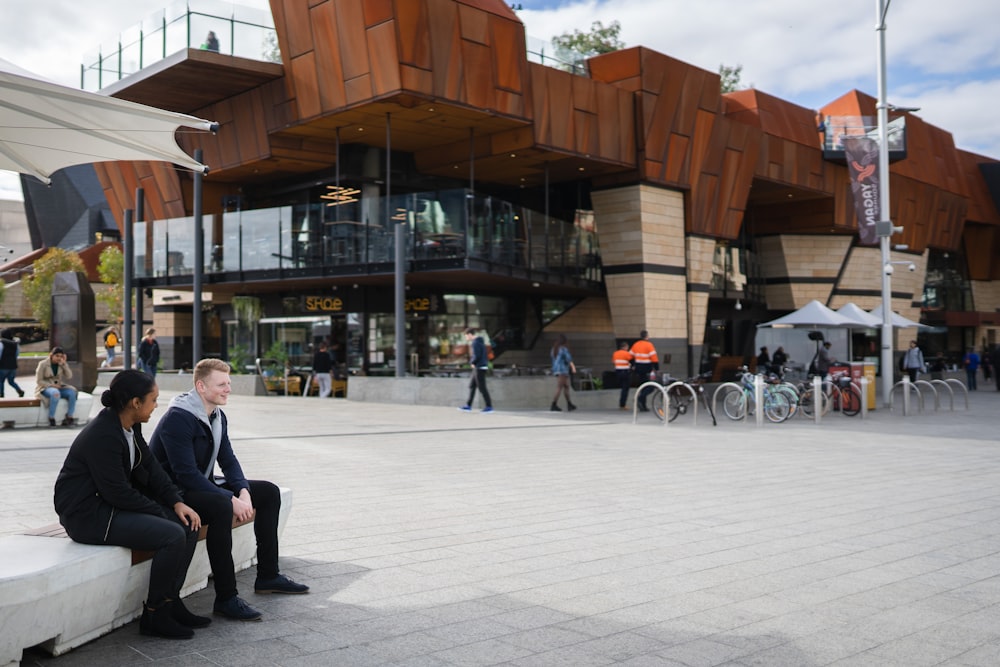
column 856, row 312
column 45, row 126
column 898, row 321
column 815, row 315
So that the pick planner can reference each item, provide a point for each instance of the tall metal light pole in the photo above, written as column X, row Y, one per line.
column 884, row 228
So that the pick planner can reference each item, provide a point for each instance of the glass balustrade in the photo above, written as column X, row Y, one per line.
column 211, row 25
column 441, row 228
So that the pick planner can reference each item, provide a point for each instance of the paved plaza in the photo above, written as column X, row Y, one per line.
column 433, row 538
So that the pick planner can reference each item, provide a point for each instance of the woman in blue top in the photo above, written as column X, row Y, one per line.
column 562, row 366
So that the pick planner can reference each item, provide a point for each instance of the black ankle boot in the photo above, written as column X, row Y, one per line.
column 570, row 406
column 555, row 408
column 157, row 622
column 183, row 615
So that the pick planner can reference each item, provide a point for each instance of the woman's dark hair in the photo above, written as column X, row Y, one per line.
column 560, row 342
column 125, row 386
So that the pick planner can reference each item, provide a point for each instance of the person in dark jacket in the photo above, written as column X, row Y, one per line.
column 8, row 363
column 147, row 356
column 190, row 439
column 111, row 490
column 323, row 370
column 479, row 360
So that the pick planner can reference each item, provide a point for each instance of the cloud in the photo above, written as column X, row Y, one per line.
column 944, row 60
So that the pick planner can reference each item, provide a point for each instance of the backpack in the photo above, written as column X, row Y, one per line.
column 110, row 339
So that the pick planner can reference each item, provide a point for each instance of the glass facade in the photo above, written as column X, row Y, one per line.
column 441, row 227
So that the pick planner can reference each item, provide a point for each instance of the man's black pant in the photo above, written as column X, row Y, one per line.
column 643, row 371
column 624, row 380
column 216, row 510
column 172, row 543
column 478, row 379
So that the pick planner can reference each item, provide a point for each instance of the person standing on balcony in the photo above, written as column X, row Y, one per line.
column 211, row 42
column 480, row 363
column 562, row 368
column 646, row 362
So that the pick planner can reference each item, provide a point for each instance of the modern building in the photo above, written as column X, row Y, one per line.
column 531, row 200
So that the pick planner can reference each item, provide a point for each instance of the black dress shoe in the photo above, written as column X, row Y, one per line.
column 183, row 615
column 237, row 609
column 279, row 584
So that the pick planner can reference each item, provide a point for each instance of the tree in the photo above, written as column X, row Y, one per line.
column 38, row 286
column 729, row 78
column 575, row 46
column 111, row 269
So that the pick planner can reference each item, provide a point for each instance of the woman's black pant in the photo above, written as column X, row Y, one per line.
column 172, row 543
column 216, row 510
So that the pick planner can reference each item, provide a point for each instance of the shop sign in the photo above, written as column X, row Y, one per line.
column 324, row 304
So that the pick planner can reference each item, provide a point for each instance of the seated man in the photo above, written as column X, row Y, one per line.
column 50, row 385
column 190, row 438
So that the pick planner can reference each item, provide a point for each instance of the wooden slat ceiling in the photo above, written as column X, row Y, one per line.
column 193, row 78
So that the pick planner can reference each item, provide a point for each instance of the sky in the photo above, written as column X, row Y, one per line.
column 942, row 58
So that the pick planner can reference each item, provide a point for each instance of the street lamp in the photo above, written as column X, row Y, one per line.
column 884, row 227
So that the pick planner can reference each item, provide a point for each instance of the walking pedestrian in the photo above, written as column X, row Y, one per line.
column 622, row 359
column 646, row 362
column 971, row 363
column 9, row 351
column 562, row 368
column 480, row 363
column 147, row 356
column 913, row 361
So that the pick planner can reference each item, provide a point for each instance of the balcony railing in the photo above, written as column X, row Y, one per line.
column 239, row 31
column 297, row 238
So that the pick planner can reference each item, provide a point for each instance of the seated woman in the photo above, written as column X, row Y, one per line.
column 111, row 490
column 50, row 385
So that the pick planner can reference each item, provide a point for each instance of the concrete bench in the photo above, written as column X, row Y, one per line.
column 58, row 594
column 33, row 412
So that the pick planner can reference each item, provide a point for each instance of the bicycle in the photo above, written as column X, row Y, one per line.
column 837, row 393
column 737, row 404
column 680, row 398
column 843, row 395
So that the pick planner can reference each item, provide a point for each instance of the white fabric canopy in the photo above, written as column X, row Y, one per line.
column 898, row 321
column 814, row 315
column 45, row 126
column 856, row 312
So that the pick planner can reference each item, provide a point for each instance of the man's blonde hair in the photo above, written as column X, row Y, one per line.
column 205, row 367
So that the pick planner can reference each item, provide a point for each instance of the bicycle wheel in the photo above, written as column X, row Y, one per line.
column 850, row 401
column 776, row 407
column 657, row 403
column 792, row 395
column 807, row 403
column 679, row 404
column 734, row 403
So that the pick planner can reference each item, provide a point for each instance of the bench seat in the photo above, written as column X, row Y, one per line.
column 32, row 412
column 58, row 594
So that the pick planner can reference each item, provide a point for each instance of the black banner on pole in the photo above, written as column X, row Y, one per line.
column 862, row 164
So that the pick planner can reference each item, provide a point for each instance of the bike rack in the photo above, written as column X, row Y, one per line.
column 635, row 400
column 666, row 395
column 907, row 385
column 937, row 399
column 951, row 393
column 964, row 389
column 737, row 387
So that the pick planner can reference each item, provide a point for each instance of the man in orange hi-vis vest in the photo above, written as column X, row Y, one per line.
column 646, row 362
column 623, row 370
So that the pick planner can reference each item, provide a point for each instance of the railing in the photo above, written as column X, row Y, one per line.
column 238, row 31
column 835, row 128
column 482, row 228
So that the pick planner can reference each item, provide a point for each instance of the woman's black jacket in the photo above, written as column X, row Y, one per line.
column 95, row 480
